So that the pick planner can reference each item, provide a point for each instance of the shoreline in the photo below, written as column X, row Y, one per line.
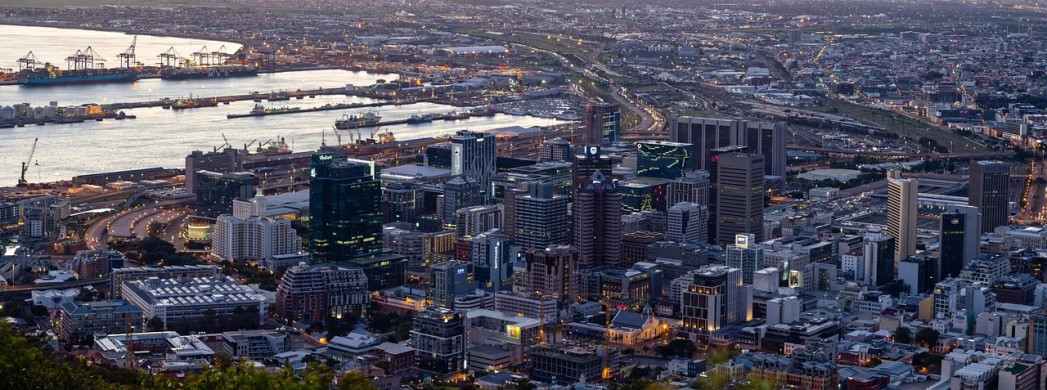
column 242, row 42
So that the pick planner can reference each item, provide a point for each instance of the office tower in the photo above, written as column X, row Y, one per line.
column 1036, row 343
column 917, row 273
column 688, row 223
column 494, row 258
column 438, row 336
column 692, row 187
column 644, row 194
column 438, row 156
column 795, row 36
column 901, row 214
column 552, row 272
column 317, row 292
column 716, row 298
column 253, row 238
column 228, row 160
column 601, row 123
column 251, row 207
column 460, row 192
column 597, row 213
column 474, row 220
column 541, row 218
column 618, row 287
column 767, row 139
column 473, row 156
column 783, row 310
column 960, row 233
column 879, row 251
column 405, row 201
column 585, row 165
column 989, row 192
column 345, row 217
column 556, row 149
column 739, row 192
column 215, row 191
column 450, row 279
column 664, row 159
column 509, row 208
column 745, row 255
column 634, row 246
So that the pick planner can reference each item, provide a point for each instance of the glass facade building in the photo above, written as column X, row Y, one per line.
column 344, row 203
column 215, row 191
column 662, row 159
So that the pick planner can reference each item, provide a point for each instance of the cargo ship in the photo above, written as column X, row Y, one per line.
column 366, row 119
column 51, row 75
column 182, row 104
column 419, row 119
column 205, row 72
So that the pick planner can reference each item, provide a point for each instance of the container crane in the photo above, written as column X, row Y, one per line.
column 169, row 58
column 28, row 61
column 202, row 57
column 127, row 58
column 25, row 165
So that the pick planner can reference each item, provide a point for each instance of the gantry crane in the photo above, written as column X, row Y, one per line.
column 127, row 58
column 22, row 182
column 169, row 58
column 28, row 61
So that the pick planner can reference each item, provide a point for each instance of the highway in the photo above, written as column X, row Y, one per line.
column 1035, row 193
column 97, row 236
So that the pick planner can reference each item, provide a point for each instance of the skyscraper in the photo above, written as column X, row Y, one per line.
column 989, row 192
column 405, row 201
column 739, row 189
column 601, row 123
column 667, row 160
column 459, row 193
column 556, row 149
column 958, row 241
column 767, row 139
column 918, row 274
column 597, row 223
column 745, row 255
column 901, row 214
column 541, row 218
column 687, row 222
column 317, row 292
column 552, row 272
column 344, row 204
column 448, row 280
column 585, row 165
column 438, row 336
column 692, row 187
column 473, row 156
column 878, row 251
column 470, row 221
column 215, row 191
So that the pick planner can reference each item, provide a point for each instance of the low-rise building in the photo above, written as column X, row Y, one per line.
column 209, row 304
column 80, row 320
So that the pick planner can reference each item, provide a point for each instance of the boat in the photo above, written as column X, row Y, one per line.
column 515, row 111
column 482, row 112
column 416, row 119
column 208, row 72
column 457, row 115
column 50, row 75
column 182, row 104
column 260, row 110
column 541, row 114
column 363, row 120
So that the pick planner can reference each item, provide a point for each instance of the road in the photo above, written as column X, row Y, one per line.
column 97, row 236
column 1035, row 204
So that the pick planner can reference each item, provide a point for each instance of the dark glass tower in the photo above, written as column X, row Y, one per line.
column 344, row 202
column 215, row 191
column 667, row 160
column 989, row 192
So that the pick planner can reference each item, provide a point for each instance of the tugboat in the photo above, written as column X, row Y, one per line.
column 366, row 119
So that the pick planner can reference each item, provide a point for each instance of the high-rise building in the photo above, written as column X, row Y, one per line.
column 990, row 192
column 664, row 159
column 450, row 279
column 253, row 238
column 405, row 201
column 597, row 213
column 344, row 206
column 739, row 193
column 227, row 160
column 688, row 223
column 745, row 255
column 509, row 208
column 767, row 139
column 310, row 293
column 692, row 187
column 715, row 298
column 556, row 149
column 1036, row 342
column 541, row 218
column 585, row 165
column 917, row 273
column 438, row 336
column 960, row 233
column 901, row 214
column 460, row 192
column 215, row 191
column 470, row 221
column 473, row 156
column 601, row 123
column 552, row 272
column 879, row 251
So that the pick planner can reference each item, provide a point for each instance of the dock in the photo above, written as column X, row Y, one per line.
column 256, row 96
column 326, row 107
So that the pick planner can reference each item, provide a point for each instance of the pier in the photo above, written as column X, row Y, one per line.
column 256, row 96
column 326, row 107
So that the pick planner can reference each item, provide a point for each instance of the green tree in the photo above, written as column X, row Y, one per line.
column 903, row 335
column 403, row 331
column 155, row 324
column 927, row 337
column 385, row 365
column 354, row 380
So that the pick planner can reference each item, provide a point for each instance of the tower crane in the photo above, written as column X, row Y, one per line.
column 25, row 165
column 127, row 58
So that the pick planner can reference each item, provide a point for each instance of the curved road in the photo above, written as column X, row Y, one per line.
column 97, row 236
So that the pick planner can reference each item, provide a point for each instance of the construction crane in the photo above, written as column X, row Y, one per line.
column 223, row 146
column 169, row 57
column 127, row 58
column 28, row 61
column 337, row 134
column 25, row 165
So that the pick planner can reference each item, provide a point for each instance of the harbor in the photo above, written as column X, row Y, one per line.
column 260, row 111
